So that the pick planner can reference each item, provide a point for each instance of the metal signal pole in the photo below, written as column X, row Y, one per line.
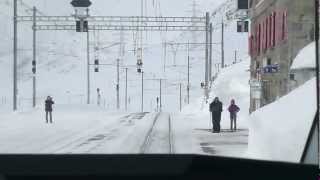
column 88, row 68
column 15, row 53
column 235, row 56
column 160, row 95
column 180, row 86
column 126, row 96
column 142, row 91
column 207, row 49
column 222, row 44
column 206, row 90
column 210, row 52
column 34, row 58
column 118, row 84
column 188, row 86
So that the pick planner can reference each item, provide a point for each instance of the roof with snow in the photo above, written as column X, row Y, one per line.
column 306, row 58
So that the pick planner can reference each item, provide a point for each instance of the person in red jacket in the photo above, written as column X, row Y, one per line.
column 233, row 109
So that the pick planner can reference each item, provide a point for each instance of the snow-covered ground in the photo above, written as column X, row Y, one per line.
column 80, row 128
column 280, row 130
column 61, row 73
column 232, row 83
column 91, row 129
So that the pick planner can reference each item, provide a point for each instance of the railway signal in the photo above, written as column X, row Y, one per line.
column 96, row 65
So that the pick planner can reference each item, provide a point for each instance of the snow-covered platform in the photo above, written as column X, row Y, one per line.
column 225, row 143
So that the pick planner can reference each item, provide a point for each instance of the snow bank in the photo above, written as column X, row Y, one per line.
column 192, row 126
column 306, row 58
column 279, row 131
column 232, row 83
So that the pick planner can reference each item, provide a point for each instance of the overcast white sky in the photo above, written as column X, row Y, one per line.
column 123, row 7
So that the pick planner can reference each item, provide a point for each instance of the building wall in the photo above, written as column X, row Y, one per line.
column 301, row 76
column 292, row 33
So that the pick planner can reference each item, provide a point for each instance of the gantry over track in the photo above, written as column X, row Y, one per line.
column 117, row 23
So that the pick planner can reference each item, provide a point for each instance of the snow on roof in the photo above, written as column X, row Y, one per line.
column 279, row 131
column 306, row 58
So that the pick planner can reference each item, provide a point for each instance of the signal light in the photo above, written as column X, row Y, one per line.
column 34, row 67
column 96, row 62
column 82, row 26
column 34, row 70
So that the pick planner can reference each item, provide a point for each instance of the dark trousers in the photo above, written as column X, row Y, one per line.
column 49, row 113
column 216, row 118
column 233, row 121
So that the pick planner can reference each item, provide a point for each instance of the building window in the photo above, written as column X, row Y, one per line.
column 269, row 61
column 292, row 77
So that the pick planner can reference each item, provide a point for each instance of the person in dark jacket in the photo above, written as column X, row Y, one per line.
column 216, row 110
column 48, row 108
column 233, row 109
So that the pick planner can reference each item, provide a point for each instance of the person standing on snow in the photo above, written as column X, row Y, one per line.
column 48, row 108
column 233, row 109
column 216, row 110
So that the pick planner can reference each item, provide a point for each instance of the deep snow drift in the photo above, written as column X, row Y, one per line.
column 306, row 58
column 279, row 131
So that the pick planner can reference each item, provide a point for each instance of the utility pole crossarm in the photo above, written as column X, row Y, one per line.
column 129, row 19
column 69, row 27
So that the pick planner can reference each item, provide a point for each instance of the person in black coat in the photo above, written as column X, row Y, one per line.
column 48, row 108
column 216, row 110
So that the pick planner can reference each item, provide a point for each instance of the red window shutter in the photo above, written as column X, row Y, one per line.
column 254, row 46
column 278, row 28
column 251, row 45
column 265, row 34
column 270, row 32
column 282, row 26
column 273, row 31
column 256, row 40
column 255, row 36
column 262, row 36
column 259, row 39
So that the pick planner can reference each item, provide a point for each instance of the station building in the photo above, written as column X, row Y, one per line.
column 279, row 30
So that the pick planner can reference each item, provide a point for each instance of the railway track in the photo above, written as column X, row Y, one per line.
column 159, row 138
